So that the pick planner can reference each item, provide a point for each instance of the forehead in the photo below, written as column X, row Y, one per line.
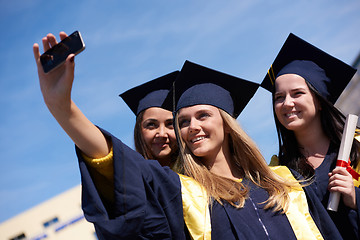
column 289, row 81
column 156, row 113
column 197, row 108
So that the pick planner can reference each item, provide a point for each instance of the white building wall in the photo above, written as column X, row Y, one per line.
column 66, row 208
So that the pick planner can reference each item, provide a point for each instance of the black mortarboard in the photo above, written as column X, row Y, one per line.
column 149, row 94
column 327, row 74
column 197, row 84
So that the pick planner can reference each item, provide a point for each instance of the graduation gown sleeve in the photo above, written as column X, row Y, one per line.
column 147, row 198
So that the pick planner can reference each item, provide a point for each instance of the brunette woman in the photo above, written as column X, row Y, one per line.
column 306, row 82
column 154, row 134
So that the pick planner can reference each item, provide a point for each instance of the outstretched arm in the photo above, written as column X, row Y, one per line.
column 56, row 88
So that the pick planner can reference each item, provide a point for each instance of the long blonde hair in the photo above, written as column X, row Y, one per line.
column 247, row 158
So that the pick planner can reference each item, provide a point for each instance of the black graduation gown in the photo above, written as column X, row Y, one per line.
column 347, row 220
column 250, row 222
column 148, row 205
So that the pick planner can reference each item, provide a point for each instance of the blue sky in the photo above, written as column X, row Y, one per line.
column 129, row 43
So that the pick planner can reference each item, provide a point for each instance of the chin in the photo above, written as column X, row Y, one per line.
column 163, row 154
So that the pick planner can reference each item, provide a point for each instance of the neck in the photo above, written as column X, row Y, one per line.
column 314, row 145
column 164, row 161
column 223, row 164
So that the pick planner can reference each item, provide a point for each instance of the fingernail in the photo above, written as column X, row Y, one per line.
column 72, row 58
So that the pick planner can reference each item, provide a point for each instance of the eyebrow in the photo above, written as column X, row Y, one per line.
column 292, row 90
column 151, row 120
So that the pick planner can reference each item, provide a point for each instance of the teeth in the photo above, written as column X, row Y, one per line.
column 290, row 114
column 197, row 139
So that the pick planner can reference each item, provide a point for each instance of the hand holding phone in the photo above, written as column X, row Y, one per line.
column 57, row 55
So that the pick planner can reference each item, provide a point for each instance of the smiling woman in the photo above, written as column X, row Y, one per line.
column 158, row 133
column 154, row 134
column 201, row 128
column 306, row 82
column 295, row 105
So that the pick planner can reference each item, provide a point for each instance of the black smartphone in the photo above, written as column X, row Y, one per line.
column 57, row 55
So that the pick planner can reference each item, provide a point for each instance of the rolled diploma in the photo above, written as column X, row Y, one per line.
column 344, row 153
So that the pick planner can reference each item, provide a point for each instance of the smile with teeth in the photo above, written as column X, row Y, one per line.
column 291, row 114
column 197, row 139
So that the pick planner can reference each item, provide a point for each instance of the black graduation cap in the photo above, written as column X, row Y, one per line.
column 327, row 74
column 197, row 84
column 149, row 94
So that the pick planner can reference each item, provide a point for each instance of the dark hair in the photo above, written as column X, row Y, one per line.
column 140, row 144
column 332, row 122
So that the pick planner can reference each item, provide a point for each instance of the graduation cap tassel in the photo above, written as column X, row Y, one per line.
column 344, row 153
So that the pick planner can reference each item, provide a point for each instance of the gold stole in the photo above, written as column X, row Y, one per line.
column 297, row 213
column 197, row 214
column 195, row 208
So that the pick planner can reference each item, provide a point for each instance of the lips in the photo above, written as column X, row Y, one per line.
column 291, row 114
column 161, row 144
column 194, row 140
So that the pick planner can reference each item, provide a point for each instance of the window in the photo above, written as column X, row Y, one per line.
column 51, row 222
column 19, row 237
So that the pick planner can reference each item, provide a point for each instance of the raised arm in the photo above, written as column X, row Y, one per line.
column 56, row 88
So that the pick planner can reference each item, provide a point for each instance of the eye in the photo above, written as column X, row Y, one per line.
column 299, row 93
column 150, row 125
column 278, row 98
column 169, row 124
column 183, row 123
column 203, row 115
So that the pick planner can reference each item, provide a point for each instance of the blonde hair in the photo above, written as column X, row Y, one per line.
column 247, row 158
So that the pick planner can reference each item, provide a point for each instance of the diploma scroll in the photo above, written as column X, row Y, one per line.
column 344, row 153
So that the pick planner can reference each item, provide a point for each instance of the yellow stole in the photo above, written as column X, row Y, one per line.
column 197, row 215
column 195, row 208
column 298, row 213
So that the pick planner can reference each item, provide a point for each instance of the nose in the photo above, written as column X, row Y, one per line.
column 162, row 131
column 288, row 101
column 193, row 126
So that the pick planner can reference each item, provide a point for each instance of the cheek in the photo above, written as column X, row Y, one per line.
column 148, row 136
column 316, row 105
column 171, row 134
column 183, row 132
column 277, row 108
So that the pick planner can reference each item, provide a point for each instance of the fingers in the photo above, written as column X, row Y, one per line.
column 62, row 35
column 36, row 51
column 50, row 40
column 340, row 170
column 340, row 180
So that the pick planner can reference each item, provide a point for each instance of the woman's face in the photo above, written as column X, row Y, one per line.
column 295, row 105
column 202, row 130
column 158, row 132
